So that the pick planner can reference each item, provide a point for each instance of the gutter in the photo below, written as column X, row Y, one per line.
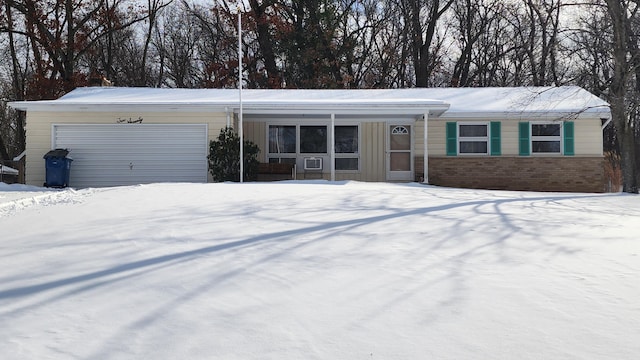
column 523, row 115
column 340, row 108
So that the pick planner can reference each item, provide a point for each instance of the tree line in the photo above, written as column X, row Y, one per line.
column 49, row 47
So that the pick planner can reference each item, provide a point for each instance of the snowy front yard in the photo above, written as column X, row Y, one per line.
column 317, row 270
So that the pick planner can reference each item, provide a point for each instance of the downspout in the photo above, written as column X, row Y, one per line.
column 333, row 148
column 604, row 126
column 226, row 110
column 425, row 175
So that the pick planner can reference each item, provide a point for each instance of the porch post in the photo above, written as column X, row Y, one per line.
column 425, row 175
column 240, row 124
column 332, row 146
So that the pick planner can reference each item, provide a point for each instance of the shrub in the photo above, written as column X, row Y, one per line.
column 612, row 172
column 224, row 157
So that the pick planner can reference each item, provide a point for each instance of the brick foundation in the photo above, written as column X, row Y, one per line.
column 567, row 174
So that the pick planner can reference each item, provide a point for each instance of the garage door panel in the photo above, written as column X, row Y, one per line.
column 134, row 153
column 126, row 154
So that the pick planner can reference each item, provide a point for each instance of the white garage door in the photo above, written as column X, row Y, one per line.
column 128, row 154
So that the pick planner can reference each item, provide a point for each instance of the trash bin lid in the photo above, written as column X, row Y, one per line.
column 57, row 153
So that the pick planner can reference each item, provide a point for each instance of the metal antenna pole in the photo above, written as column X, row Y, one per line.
column 240, row 132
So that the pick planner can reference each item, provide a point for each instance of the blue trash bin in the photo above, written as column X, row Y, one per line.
column 58, row 167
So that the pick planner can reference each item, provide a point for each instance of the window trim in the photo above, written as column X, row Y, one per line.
column 486, row 139
column 559, row 138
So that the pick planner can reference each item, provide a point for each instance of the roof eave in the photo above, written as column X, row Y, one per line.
column 529, row 115
column 342, row 109
column 435, row 109
column 42, row 106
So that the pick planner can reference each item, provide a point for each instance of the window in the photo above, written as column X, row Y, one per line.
column 282, row 139
column 313, row 139
column 288, row 143
column 347, row 164
column 400, row 130
column 400, row 138
column 282, row 160
column 282, row 144
column 346, row 139
column 545, row 138
column 473, row 138
column 346, row 147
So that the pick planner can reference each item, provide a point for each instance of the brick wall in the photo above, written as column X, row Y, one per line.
column 574, row 174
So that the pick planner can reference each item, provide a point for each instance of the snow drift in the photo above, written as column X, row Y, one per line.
column 319, row 270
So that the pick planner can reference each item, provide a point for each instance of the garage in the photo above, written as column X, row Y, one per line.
column 127, row 154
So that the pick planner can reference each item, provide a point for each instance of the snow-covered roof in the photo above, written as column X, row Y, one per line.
column 8, row 170
column 521, row 101
column 254, row 101
column 453, row 102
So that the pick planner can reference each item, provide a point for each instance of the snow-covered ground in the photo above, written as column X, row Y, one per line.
column 317, row 270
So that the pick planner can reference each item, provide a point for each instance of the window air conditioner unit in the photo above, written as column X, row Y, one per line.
column 312, row 163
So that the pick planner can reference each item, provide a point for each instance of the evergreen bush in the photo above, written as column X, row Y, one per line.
column 224, row 157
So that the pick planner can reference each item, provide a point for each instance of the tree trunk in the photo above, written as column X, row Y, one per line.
column 423, row 58
column 619, row 94
column 16, row 84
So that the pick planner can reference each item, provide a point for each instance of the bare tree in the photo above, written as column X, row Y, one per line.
column 422, row 17
column 388, row 47
column 624, row 91
column 177, row 40
column 481, row 36
column 12, row 134
column 544, row 16
column 61, row 32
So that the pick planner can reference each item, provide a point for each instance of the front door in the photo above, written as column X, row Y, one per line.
column 399, row 153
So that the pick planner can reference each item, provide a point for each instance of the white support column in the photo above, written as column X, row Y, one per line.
column 332, row 159
column 425, row 175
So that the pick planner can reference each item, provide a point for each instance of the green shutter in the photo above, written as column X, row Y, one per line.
column 524, row 138
column 452, row 139
column 496, row 149
column 568, row 138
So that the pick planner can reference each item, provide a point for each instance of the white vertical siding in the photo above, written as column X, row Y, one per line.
column 256, row 132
